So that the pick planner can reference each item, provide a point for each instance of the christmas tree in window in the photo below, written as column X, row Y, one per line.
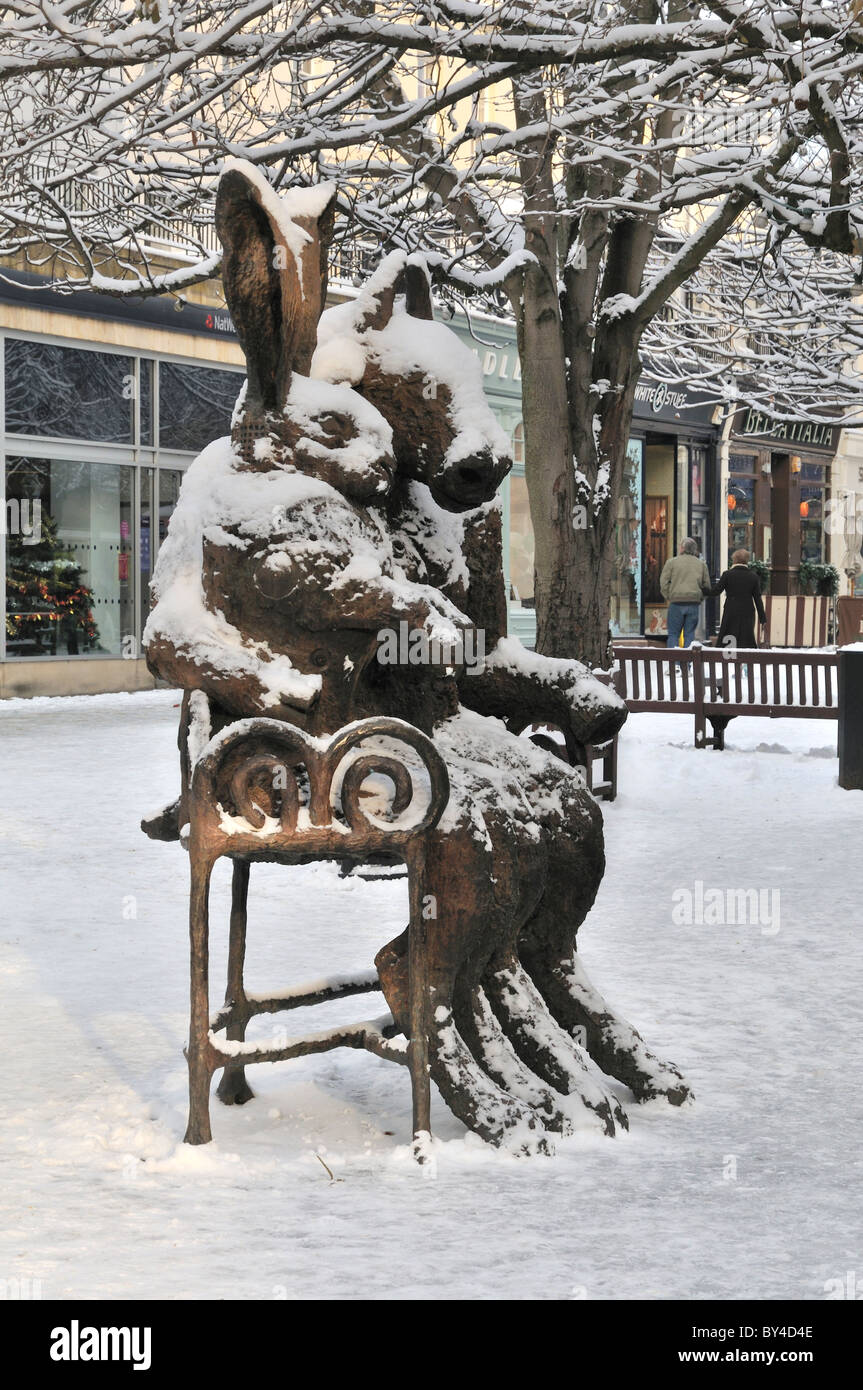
column 49, row 610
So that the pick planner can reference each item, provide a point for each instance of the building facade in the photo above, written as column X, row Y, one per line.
column 780, row 481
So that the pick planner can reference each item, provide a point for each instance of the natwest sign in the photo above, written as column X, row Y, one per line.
column 219, row 323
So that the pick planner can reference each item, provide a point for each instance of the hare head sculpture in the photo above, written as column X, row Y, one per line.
column 274, row 274
column 422, row 378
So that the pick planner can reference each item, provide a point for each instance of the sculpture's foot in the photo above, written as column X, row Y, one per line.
column 234, row 1089
column 473, row 1097
column 164, row 826
column 547, row 1049
column 500, row 1061
column 497, row 1116
column 616, row 1047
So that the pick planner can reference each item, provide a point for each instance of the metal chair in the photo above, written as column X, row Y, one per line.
column 265, row 791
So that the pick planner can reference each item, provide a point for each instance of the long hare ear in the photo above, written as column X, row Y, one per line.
column 272, row 273
column 377, row 297
column 417, row 287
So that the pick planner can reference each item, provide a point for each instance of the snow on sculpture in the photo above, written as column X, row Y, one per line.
column 352, row 502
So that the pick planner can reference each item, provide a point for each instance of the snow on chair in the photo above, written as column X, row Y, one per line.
column 263, row 790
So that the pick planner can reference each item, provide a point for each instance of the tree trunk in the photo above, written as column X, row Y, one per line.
column 574, row 453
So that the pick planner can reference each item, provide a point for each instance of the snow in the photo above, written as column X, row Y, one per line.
column 102, row 1200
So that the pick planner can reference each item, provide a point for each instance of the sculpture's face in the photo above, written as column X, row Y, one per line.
column 325, row 431
column 444, row 432
column 423, row 379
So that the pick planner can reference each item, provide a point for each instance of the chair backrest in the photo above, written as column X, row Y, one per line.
column 797, row 620
column 264, row 788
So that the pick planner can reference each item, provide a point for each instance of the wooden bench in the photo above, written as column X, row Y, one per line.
column 715, row 684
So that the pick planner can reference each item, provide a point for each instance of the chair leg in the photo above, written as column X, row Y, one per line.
column 418, row 985
column 198, row 1053
column 233, row 1088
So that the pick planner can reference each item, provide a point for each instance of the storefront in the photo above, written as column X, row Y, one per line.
column 102, row 408
column 777, row 488
column 668, row 493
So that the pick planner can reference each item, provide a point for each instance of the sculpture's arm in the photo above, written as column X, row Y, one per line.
column 244, row 677
column 333, row 592
column 513, row 683
column 523, row 687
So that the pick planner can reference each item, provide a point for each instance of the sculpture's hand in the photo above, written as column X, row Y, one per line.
column 524, row 687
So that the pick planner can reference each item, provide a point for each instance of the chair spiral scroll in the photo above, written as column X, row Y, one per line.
column 265, row 786
column 262, row 790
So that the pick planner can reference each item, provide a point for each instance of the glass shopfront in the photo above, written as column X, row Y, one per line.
column 812, row 486
column 778, row 489
column 740, row 504
column 95, row 446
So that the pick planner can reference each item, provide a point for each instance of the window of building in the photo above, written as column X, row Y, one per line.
column 146, row 369
column 195, row 404
column 69, row 393
column 812, row 484
column 69, row 569
column 82, row 530
column 740, row 503
column 518, row 445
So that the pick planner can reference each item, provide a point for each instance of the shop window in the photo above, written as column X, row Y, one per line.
column 740, row 503
column 169, row 492
column 68, row 393
column 626, row 582
column 521, row 546
column 146, row 369
column 195, row 404
column 69, row 567
column 698, row 476
column 656, row 529
column 812, row 479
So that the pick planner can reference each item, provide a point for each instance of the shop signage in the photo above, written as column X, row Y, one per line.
column 801, row 432
column 159, row 311
column 657, row 401
column 659, row 396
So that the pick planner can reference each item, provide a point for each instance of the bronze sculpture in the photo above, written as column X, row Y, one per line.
column 349, row 505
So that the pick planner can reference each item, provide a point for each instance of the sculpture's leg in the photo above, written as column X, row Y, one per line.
column 233, row 1088
column 461, row 908
column 504, row 1021
column 198, row 1052
column 546, row 1048
column 614, row 1044
column 499, row 1060
column 547, row 950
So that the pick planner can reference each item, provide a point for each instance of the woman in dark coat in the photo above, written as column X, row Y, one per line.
column 742, row 599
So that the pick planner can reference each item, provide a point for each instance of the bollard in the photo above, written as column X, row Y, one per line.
column 851, row 717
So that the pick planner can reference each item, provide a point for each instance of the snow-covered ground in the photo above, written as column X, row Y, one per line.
column 749, row 1194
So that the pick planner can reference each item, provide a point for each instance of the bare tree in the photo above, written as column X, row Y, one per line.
column 629, row 177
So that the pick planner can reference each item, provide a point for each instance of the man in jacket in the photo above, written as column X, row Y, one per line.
column 684, row 581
